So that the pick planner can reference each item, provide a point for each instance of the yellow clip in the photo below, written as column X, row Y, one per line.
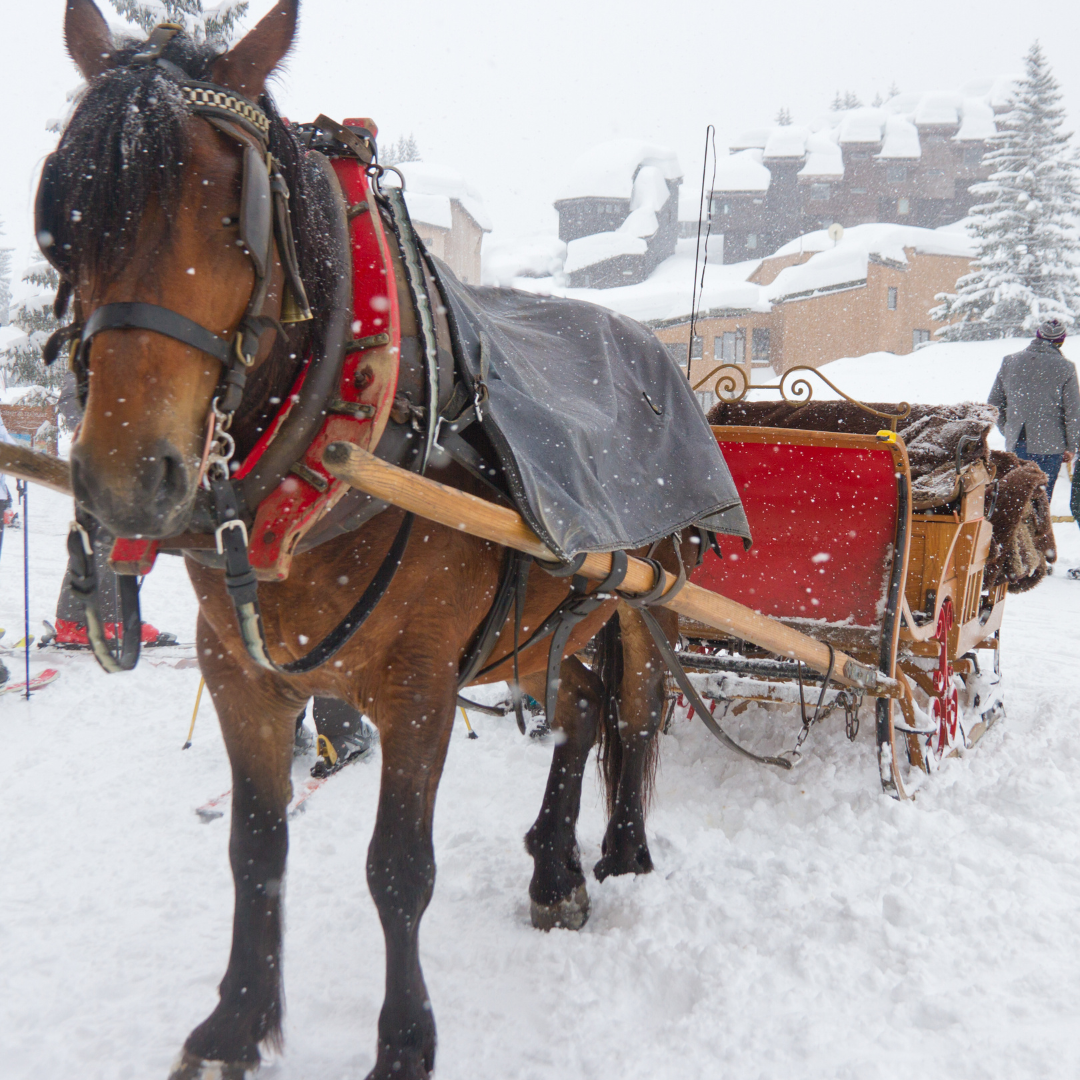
column 887, row 436
column 326, row 750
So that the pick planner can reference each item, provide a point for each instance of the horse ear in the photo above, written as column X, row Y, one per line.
column 87, row 37
column 247, row 65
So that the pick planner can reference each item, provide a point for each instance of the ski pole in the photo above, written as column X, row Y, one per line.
column 22, row 487
column 472, row 734
column 191, row 730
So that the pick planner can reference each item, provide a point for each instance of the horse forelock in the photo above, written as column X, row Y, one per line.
column 125, row 145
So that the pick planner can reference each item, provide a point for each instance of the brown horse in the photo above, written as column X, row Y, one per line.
column 149, row 195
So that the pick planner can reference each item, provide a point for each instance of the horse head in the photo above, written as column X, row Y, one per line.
column 151, row 210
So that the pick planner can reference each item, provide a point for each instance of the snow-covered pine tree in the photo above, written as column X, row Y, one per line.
column 783, row 117
column 851, row 100
column 1027, row 245
column 33, row 315
column 405, row 149
column 215, row 24
column 5, row 281
column 837, row 103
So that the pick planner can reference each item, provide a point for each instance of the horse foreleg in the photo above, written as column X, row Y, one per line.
column 258, row 718
column 557, row 891
column 401, row 876
column 631, row 748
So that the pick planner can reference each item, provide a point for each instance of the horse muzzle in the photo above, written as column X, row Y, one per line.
column 151, row 498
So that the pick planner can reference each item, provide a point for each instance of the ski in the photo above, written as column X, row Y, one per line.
column 42, row 679
column 215, row 808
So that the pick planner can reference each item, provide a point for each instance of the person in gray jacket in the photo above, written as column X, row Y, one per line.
column 1038, row 402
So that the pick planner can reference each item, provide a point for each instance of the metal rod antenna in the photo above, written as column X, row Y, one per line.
column 22, row 488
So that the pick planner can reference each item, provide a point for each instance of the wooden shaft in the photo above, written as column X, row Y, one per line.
column 478, row 517
column 35, row 467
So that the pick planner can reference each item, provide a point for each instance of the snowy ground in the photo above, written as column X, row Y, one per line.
column 796, row 926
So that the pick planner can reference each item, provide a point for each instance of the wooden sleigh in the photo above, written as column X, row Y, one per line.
column 844, row 553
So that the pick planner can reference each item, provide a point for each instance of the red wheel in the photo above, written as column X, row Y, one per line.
column 946, row 704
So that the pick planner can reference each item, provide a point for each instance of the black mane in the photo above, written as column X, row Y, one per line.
column 125, row 145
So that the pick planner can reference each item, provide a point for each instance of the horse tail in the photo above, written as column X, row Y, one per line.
column 609, row 747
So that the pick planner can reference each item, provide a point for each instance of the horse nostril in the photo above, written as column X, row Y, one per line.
column 166, row 480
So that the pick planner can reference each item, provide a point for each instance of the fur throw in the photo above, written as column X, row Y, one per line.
column 1023, row 542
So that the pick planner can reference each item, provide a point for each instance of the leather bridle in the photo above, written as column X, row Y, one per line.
column 264, row 218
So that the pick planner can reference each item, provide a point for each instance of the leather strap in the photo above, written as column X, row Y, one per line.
column 242, row 587
column 83, row 583
column 687, row 687
column 136, row 315
column 488, row 634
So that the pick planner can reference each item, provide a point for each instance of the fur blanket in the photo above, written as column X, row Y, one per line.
column 1023, row 544
column 1023, row 541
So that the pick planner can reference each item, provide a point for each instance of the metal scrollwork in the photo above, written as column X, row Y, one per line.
column 732, row 384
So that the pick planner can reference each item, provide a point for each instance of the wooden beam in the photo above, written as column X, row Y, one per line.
column 478, row 517
column 35, row 467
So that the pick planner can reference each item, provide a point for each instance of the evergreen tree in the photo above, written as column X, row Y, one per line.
column 851, row 100
column 783, row 117
column 216, row 24
column 5, row 281
column 34, row 316
column 1027, row 246
column 894, row 91
column 837, row 103
column 405, row 149
column 878, row 100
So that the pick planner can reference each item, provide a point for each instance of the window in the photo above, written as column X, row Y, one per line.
column 859, row 155
column 819, row 192
column 759, row 345
column 919, row 337
column 695, row 347
column 758, row 202
column 896, row 174
column 858, row 191
column 973, row 155
column 676, row 350
column 751, row 241
column 903, row 206
column 730, row 346
column 893, row 293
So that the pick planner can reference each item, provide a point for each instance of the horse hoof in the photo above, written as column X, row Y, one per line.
column 569, row 914
column 190, row 1067
column 639, row 862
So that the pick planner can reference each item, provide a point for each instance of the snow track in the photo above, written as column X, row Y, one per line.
column 798, row 925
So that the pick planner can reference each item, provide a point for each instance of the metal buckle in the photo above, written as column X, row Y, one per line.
column 235, row 524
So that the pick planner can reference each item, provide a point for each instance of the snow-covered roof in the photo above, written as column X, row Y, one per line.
column 429, row 190
column 901, row 139
column 978, row 122
column 666, row 294
column 787, row 141
column 834, row 265
column 536, row 256
column 938, row 109
column 894, row 127
column 742, row 171
column 823, row 157
column 609, row 169
column 863, row 125
column 590, row 250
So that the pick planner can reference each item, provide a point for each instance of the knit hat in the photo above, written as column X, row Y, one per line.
column 1053, row 330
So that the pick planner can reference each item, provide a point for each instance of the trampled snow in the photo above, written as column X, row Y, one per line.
column 796, row 925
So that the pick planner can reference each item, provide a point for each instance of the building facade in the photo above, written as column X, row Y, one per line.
column 911, row 162
column 887, row 309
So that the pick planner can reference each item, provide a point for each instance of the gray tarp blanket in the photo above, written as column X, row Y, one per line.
column 602, row 441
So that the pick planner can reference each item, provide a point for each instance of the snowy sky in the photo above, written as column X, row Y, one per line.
column 509, row 94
